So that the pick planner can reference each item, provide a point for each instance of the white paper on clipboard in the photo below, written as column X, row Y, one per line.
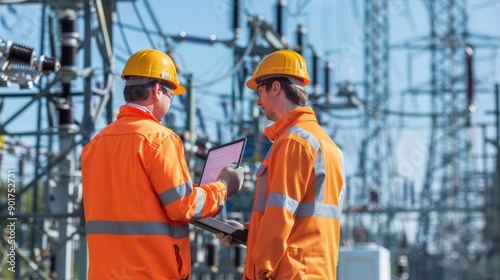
column 220, row 157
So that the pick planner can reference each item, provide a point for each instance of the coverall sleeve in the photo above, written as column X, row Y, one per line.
column 290, row 167
column 170, row 178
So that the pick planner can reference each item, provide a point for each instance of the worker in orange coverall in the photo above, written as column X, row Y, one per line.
column 137, row 191
column 294, row 230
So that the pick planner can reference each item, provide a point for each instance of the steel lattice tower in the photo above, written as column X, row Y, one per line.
column 375, row 169
column 450, row 230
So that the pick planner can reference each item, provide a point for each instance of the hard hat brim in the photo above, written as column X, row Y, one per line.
column 251, row 84
column 179, row 90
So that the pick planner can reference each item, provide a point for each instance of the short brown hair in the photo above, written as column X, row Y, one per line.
column 138, row 92
column 294, row 94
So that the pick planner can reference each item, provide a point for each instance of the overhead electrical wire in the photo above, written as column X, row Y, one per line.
column 237, row 67
column 302, row 7
column 156, row 23
column 221, row 62
column 138, row 29
column 139, row 17
column 122, row 33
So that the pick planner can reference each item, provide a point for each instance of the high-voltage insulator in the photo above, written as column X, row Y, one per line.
column 280, row 8
column 402, row 269
column 68, row 37
column 21, row 54
column 236, row 17
column 470, row 79
column 374, row 196
column 15, row 54
column 18, row 64
column 314, row 73
column 301, row 31
column 64, row 113
column 20, row 167
column 65, row 110
column 327, row 69
column 69, row 47
column 48, row 64
column 66, row 93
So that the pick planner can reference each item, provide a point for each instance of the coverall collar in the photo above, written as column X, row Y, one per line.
column 135, row 111
column 144, row 108
column 291, row 118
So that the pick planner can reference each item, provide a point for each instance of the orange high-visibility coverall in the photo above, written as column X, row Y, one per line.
column 138, row 200
column 294, row 231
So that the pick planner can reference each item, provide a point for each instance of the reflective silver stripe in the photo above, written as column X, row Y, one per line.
column 136, row 228
column 311, row 209
column 319, row 209
column 319, row 165
column 341, row 195
column 176, row 193
column 282, row 201
column 200, row 203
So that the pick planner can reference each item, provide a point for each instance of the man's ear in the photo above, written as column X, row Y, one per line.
column 156, row 92
column 276, row 87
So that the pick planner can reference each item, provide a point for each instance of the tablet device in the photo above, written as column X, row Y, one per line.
column 215, row 225
column 218, row 158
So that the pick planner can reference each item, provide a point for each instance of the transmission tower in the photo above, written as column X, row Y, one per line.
column 453, row 232
column 375, row 169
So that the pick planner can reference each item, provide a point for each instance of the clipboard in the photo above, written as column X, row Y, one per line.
column 218, row 158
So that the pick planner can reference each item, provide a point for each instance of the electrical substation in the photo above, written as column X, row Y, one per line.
column 409, row 90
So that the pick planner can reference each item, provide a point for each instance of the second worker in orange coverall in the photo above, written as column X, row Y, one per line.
column 137, row 190
column 294, row 231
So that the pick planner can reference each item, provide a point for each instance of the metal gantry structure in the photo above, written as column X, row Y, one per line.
column 376, row 169
column 50, row 239
column 452, row 186
column 449, row 180
column 456, row 201
column 457, row 208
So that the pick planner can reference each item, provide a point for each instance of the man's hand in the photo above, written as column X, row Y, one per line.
column 226, row 238
column 232, row 177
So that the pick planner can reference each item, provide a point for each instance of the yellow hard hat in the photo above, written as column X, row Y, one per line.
column 153, row 64
column 280, row 63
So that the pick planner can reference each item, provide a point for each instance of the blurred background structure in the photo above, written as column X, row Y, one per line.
column 408, row 89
